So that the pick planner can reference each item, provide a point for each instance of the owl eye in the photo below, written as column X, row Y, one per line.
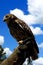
column 7, row 16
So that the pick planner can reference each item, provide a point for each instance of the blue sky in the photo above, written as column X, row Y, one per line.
column 27, row 11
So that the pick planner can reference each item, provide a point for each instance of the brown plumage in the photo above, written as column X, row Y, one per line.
column 20, row 31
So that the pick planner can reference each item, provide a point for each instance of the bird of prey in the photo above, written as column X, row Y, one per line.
column 21, row 32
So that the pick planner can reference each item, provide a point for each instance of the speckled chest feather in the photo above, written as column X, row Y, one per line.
column 17, row 31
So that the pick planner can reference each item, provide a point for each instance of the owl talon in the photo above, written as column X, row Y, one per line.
column 20, row 42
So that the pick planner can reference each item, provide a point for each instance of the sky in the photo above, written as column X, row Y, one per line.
column 32, row 14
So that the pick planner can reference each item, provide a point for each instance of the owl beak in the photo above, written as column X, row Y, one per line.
column 4, row 18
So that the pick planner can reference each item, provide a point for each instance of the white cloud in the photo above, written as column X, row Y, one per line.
column 39, row 61
column 35, row 7
column 36, row 30
column 7, row 51
column 1, row 40
column 40, row 45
